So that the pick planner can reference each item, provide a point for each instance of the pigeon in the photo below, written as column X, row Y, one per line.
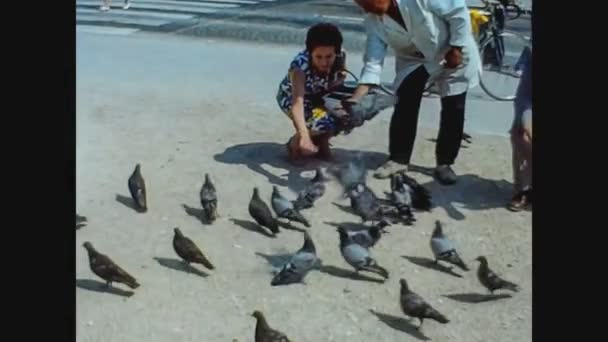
column 365, row 109
column 443, row 249
column 137, row 188
column 81, row 221
column 365, row 203
column 285, row 209
column 491, row 280
column 298, row 266
column 314, row 191
column 414, row 306
column 351, row 174
column 209, row 199
column 367, row 238
column 106, row 269
column 264, row 333
column 420, row 196
column 260, row 212
column 188, row 251
column 358, row 256
column 402, row 200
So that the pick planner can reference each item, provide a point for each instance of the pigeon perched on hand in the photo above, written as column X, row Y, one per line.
column 107, row 270
column 209, row 199
column 298, row 266
column 284, row 208
column 443, row 248
column 358, row 256
column 188, row 251
column 491, row 280
column 420, row 196
column 312, row 192
column 259, row 211
column 414, row 306
column 264, row 333
column 137, row 188
column 368, row 237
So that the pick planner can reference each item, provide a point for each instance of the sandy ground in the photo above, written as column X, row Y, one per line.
column 178, row 135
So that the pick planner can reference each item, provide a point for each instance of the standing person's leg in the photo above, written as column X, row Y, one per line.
column 105, row 6
column 404, row 123
column 450, row 136
column 521, row 141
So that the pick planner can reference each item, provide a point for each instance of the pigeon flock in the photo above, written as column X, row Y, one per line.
column 406, row 197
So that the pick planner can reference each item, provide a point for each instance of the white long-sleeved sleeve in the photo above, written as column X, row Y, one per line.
column 375, row 51
column 456, row 13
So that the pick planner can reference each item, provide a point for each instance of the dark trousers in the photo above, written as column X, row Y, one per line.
column 404, row 122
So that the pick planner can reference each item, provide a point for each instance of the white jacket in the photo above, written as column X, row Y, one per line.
column 432, row 27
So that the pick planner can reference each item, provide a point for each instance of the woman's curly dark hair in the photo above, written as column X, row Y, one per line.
column 324, row 34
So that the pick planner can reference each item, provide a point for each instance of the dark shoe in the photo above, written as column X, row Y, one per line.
column 518, row 202
column 445, row 175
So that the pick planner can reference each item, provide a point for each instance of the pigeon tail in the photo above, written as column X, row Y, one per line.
column 286, row 276
column 375, row 268
column 210, row 210
column 507, row 285
column 437, row 316
column 453, row 258
column 302, row 202
column 293, row 215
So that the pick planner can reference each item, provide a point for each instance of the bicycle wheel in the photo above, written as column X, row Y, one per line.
column 502, row 66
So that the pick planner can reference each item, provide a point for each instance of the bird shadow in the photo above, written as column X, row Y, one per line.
column 473, row 298
column 345, row 208
column 401, row 324
column 471, row 192
column 349, row 226
column 126, row 201
column 251, row 226
column 257, row 154
column 97, row 286
column 430, row 264
column 289, row 226
column 275, row 260
column 80, row 225
column 196, row 213
column 347, row 274
column 179, row 265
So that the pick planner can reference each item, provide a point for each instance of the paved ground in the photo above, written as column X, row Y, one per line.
column 182, row 107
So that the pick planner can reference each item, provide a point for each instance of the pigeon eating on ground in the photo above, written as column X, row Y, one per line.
column 365, row 203
column 369, row 236
column 444, row 249
column 264, row 333
column 284, row 208
column 491, row 280
column 358, row 256
column 420, row 196
column 259, row 211
column 209, row 199
column 402, row 200
column 81, row 221
column 188, row 251
column 107, row 270
column 312, row 192
column 414, row 306
column 137, row 188
column 298, row 266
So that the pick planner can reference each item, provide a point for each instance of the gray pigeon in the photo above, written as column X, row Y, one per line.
column 365, row 203
column 491, row 280
column 420, row 196
column 349, row 175
column 188, row 250
column 414, row 306
column 368, row 237
column 264, row 333
column 443, row 248
column 284, row 208
column 137, row 188
column 209, row 199
column 107, row 269
column 365, row 109
column 298, row 266
column 358, row 256
column 314, row 191
column 259, row 211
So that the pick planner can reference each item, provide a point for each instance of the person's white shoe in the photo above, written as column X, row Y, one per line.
column 104, row 8
column 126, row 6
